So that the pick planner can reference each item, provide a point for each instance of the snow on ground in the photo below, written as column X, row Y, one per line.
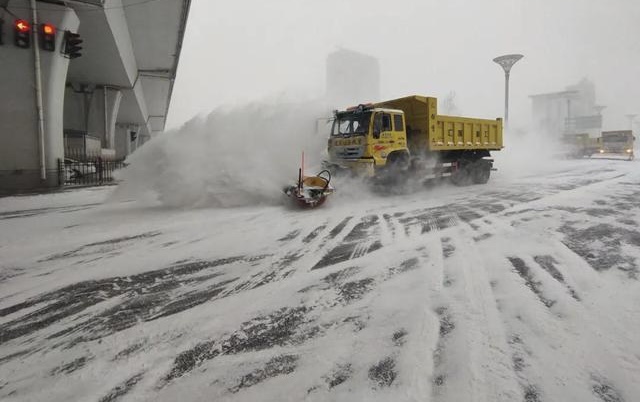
column 522, row 289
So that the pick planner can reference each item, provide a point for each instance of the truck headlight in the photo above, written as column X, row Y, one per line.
column 628, row 151
column 602, row 151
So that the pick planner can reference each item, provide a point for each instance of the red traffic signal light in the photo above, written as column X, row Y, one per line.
column 48, row 37
column 22, row 26
column 72, row 46
column 21, row 33
column 48, row 29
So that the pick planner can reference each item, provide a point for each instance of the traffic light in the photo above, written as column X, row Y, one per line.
column 71, row 45
column 22, row 33
column 48, row 37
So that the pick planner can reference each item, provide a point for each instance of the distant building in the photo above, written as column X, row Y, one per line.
column 352, row 78
column 571, row 111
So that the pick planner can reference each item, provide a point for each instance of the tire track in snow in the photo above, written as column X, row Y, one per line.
column 469, row 320
column 523, row 331
column 362, row 239
column 314, row 233
column 520, row 356
column 291, row 259
column 531, row 392
column 518, row 197
column 446, row 325
column 336, row 230
column 139, row 297
column 548, row 263
column 513, row 351
column 534, row 285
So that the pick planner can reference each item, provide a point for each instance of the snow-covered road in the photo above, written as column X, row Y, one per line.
column 525, row 289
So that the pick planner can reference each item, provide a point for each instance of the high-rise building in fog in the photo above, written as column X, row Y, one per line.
column 572, row 111
column 352, row 78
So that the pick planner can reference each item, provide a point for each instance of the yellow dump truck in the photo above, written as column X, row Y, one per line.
column 400, row 137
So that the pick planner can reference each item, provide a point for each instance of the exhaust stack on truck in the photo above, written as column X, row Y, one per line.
column 406, row 136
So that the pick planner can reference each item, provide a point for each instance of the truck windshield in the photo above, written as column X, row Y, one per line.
column 352, row 124
column 619, row 137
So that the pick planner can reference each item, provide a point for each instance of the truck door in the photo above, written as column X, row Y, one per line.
column 382, row 126
column 382, row 143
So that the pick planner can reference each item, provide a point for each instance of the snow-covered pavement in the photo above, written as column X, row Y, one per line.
column 524, row 289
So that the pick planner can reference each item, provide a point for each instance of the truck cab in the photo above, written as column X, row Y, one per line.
column 366, row 138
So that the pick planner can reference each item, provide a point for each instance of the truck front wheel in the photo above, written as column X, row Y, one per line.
column 397, row 161
column 394, row 172
column 396, row 166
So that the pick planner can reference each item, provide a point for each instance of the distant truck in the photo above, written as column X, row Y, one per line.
column 398, row 138
column 617, row 142
column 580, row 145
column 609, row 143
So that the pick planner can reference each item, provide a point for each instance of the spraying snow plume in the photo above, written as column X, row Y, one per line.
column 529, row 152
column 232, row 157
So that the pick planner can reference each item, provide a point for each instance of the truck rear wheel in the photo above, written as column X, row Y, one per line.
column 480, row 172
column 468, row 172
column 462, row 175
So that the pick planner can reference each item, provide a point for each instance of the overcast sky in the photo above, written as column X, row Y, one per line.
column 244, row 50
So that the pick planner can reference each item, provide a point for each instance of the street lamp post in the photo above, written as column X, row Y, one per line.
column 506, row 62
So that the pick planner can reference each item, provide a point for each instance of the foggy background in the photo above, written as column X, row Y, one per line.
column 242, row 51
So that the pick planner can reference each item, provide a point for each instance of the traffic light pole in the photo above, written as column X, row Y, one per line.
column 38, row 79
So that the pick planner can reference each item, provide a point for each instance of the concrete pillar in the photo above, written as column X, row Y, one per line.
column 77, row 99
column 93, row 111
column 103, row 104
column 111, row 103
column 126, row 139
column 19, row 154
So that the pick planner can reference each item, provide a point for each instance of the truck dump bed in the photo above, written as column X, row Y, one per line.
column 428, row 131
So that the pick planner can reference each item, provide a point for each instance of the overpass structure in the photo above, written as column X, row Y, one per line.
column 105, row 102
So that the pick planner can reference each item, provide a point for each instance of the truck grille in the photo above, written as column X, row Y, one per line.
column 349, row 152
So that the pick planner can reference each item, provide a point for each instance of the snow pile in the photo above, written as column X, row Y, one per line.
column 232, row 157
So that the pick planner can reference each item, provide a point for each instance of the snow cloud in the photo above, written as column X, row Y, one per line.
column 230, row 157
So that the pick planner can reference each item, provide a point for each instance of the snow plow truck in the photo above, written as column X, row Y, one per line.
column 406, row 137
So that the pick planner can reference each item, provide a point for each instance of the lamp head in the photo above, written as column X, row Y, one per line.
column 507, row 61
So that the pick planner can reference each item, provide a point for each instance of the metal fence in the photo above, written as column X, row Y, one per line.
column 87, row 171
